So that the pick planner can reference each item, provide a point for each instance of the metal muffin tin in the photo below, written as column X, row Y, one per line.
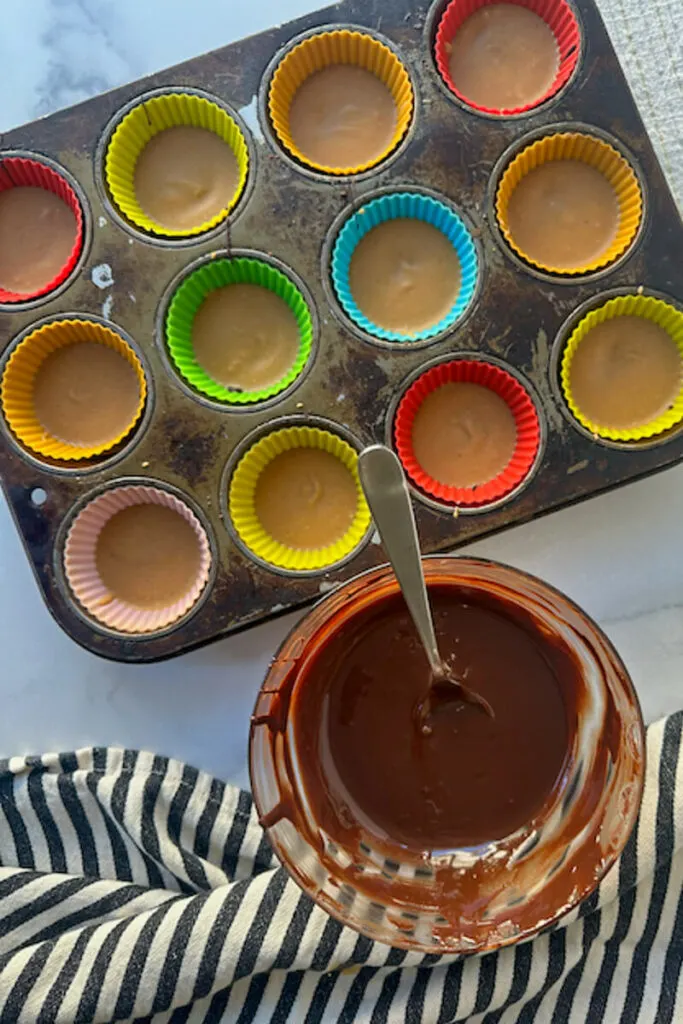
column 517, row 317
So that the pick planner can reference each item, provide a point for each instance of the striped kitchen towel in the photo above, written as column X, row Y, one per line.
column 133, row 887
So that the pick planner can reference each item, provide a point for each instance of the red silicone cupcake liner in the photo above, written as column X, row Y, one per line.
column 558, row 16
column 18, row 172
column 506, row 387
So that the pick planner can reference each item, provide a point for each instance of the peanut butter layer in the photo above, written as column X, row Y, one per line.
column 306, row 498
column 184, row 177
column 405, row 275
column 625, row 373
column 563, row 214
column 245, row 337
column 148, row 555
column 85, row 394
column 37, row 234
column 503, row 56
column 463, row 434
column 342, row 116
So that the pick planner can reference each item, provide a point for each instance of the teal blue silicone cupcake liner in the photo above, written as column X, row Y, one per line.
column 409, row 205
column 185, row 304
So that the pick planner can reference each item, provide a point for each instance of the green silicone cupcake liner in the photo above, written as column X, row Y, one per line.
column 189, row 296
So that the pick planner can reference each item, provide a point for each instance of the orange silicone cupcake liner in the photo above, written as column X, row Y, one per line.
column 322, row 50
column 18, row 381
column 558, row 16
column 487, row 375
column 21, row 172
column 596, row 153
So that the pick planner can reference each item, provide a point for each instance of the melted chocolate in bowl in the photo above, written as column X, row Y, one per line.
column 471, row 778
column 484, row 832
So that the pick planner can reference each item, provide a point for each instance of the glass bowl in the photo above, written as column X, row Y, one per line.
column 463, row 900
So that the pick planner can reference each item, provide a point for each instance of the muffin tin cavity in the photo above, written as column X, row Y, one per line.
column 295, row 500
column 507, row 59
column 239, row 330
column 72, row 391
column 569, row 204
column 621, row 369
column 340, row 102
column 176, row 164
column 42, row 228
column 404, row 267
column 270, row 239
column 467, row 432
column 137, row 559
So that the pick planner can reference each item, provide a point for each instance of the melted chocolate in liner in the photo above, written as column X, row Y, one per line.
column 471, row 780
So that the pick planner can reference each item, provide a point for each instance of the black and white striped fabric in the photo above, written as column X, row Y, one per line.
column 133, row 887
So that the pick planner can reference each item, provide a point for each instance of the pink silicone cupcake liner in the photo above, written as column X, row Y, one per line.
column 81, row 568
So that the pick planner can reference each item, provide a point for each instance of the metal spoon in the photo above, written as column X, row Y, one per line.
column 385, row 488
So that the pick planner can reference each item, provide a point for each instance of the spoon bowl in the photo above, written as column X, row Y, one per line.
column 386, row 490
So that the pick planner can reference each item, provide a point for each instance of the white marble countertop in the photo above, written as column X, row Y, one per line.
column 619, row 555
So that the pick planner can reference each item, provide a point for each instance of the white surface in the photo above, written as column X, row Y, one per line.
column 618, row 556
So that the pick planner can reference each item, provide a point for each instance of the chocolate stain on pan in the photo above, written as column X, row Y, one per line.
column 190, row 455
column 361, row 384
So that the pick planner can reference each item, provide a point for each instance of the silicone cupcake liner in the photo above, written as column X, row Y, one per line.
column 558, row 16
column 16, row 388
column 391, row 207
column 338, row 47
column 520, row 404
column 81, row 571
column 145, row 121
column 595, row 153
column 658, row 312
column 243, row 489
column 193, row 291
column 19, row 172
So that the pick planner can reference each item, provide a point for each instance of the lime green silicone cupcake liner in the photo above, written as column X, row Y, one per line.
column 185, row 304
column 658, row 312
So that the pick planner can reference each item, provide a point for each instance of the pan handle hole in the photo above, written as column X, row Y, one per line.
column 38, row 497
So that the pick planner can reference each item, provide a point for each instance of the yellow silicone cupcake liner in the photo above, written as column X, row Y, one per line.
column 141, row 124
column 341, row 46
column 16, row 389
column 658, row 312
column 243, row 489
column 595, row 153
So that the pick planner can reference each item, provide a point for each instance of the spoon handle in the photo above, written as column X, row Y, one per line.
column 387, row 494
